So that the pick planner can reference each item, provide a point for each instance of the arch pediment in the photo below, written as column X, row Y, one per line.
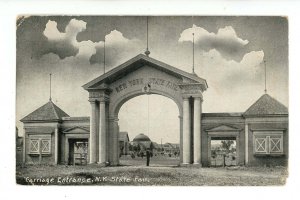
column 223, row 128
column 140, row 61
column 76, row 129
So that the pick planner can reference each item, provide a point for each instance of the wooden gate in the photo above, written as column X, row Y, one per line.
column 78, row 154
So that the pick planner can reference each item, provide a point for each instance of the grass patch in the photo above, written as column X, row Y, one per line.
column 146, row 176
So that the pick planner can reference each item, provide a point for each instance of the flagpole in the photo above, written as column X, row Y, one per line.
column 50, row 99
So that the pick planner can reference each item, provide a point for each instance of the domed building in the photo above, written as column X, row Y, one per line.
column 141, row 138
column 143, row 141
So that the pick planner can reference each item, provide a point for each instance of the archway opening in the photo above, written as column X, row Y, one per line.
column 149, row 123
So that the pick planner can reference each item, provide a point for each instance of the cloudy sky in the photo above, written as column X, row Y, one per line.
column 229, row 54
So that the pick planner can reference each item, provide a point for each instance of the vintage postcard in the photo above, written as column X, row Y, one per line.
column 152, row 100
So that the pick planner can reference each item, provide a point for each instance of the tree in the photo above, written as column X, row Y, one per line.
column 226, row 144
column 130, row 147
column 138, row 148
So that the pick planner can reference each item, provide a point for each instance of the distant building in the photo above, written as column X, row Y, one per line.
column 170, row 148
column 143, row 142
column 123, row 143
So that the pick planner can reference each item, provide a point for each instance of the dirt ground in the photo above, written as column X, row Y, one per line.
column 153, row 175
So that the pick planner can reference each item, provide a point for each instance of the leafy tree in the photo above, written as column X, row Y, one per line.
column 138, row 148
column 130, row 147
column 226, row 144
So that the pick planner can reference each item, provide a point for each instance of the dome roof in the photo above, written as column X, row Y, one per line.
column 141, row 138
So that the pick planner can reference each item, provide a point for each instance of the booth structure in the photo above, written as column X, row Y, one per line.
column 53, row 137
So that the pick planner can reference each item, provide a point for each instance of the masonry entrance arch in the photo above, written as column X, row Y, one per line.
column 143, row 75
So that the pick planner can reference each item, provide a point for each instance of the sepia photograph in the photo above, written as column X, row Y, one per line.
column 152, row 100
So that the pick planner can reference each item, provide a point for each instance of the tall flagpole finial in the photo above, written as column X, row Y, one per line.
column 193, row 53
column 147, row 52
column 104, row 57
column 265, row 76
column 50, row 99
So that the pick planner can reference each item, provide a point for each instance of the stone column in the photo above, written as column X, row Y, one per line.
column 93, row 132
column 186, row 146
column 115, row 141
column 24, row 147
column 237, row 150
column 181, row 138
column 66, row 154
column 102, row 132
column 197, row 130
column 209, row 150
column 246, row 144
column 56, row 146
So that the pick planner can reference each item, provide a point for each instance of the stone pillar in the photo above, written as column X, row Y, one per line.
column 246, row 144
column 66, row 151
column 209, row 150
column 93, row 132
column 237, row 150
column 114, row 140
column 56, row 146
column 181, row 138
column 116, row 143
column 24, row 147
column 186, row 146
column 102, row 132
column 197, row 130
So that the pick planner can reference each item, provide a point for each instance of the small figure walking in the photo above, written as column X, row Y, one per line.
column 148, row 155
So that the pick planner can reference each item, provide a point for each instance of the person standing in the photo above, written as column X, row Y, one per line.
column 148, row 155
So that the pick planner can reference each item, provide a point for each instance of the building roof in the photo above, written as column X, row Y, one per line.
column 137, row 62
column 233, row 114
column 123, row 136
column 47, row 112
column 266, row 105
column 76, row 118
column 141, row 138
column 47, row 130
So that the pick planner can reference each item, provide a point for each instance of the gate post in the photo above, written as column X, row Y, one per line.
column 114, row 140
column 186, row 140
column 102, row 131
column 197, row 130
column 181, row 138
column 93, row 131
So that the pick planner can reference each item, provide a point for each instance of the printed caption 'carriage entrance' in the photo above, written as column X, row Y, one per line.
column 143, row 75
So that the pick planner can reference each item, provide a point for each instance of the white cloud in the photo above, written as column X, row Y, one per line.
column 253, row 58
column 201, row 35
column 228, row 33
column 52, row 33
column 213, row 60
column 115, row 38
column 231, row 80
column 225, row 41
column 86, row 48
column 72, row 29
